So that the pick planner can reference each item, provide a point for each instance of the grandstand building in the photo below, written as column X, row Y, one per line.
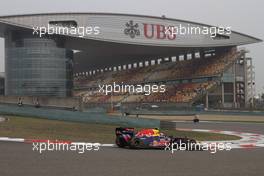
column 45, row 56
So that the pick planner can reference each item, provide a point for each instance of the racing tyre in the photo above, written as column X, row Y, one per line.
column 135, row 144
column 120, row 143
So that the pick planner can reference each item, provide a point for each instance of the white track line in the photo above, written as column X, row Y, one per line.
column 7, row 139
column 248, row 140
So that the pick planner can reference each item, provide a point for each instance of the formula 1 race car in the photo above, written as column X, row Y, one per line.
column 148, row 138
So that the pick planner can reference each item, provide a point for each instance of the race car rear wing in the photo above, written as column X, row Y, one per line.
column 122, row 130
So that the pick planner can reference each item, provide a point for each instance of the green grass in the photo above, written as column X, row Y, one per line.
column 35, row 128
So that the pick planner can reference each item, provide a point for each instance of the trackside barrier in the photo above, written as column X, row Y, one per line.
column 167, row 125
column 193, row 112
column 49, row 102
column 76, row 116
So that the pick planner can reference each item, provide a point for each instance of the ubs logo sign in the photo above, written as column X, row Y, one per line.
column 132, row 29
column 150, row 31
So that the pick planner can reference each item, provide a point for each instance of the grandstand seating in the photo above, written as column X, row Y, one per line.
column 180, row 93
column 165, row 73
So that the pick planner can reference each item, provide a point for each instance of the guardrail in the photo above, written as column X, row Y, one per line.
column 167, row 125
column 76, row 116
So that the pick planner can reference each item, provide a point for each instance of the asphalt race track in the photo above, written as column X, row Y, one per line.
column 229, row 126
column 19, row 159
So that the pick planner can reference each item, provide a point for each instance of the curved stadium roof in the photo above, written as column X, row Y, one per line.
column 112, row 28
column 116, row 41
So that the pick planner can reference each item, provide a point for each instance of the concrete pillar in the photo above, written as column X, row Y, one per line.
column 201, row 54
column 193, row 55
column 245, row 81
column 223, row 94
column 206, row 100
column 185, row 56
column 178, row 58
column 234, row 87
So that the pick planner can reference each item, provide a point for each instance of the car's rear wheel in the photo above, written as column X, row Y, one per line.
column 120, row 142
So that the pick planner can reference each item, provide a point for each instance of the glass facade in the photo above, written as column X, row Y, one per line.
column 37, row 67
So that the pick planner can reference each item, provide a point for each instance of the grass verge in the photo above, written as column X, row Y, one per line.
column 35, row 128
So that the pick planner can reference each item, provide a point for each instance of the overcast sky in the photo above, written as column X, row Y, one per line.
column 245, row 16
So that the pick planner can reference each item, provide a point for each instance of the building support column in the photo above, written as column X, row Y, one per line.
column 234, row 87
column 223, row 94
column 202, row 54
column 177, row 58
column 206, row 100
column 193, row 55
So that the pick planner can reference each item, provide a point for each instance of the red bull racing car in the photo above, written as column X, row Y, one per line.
column 147, row 138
